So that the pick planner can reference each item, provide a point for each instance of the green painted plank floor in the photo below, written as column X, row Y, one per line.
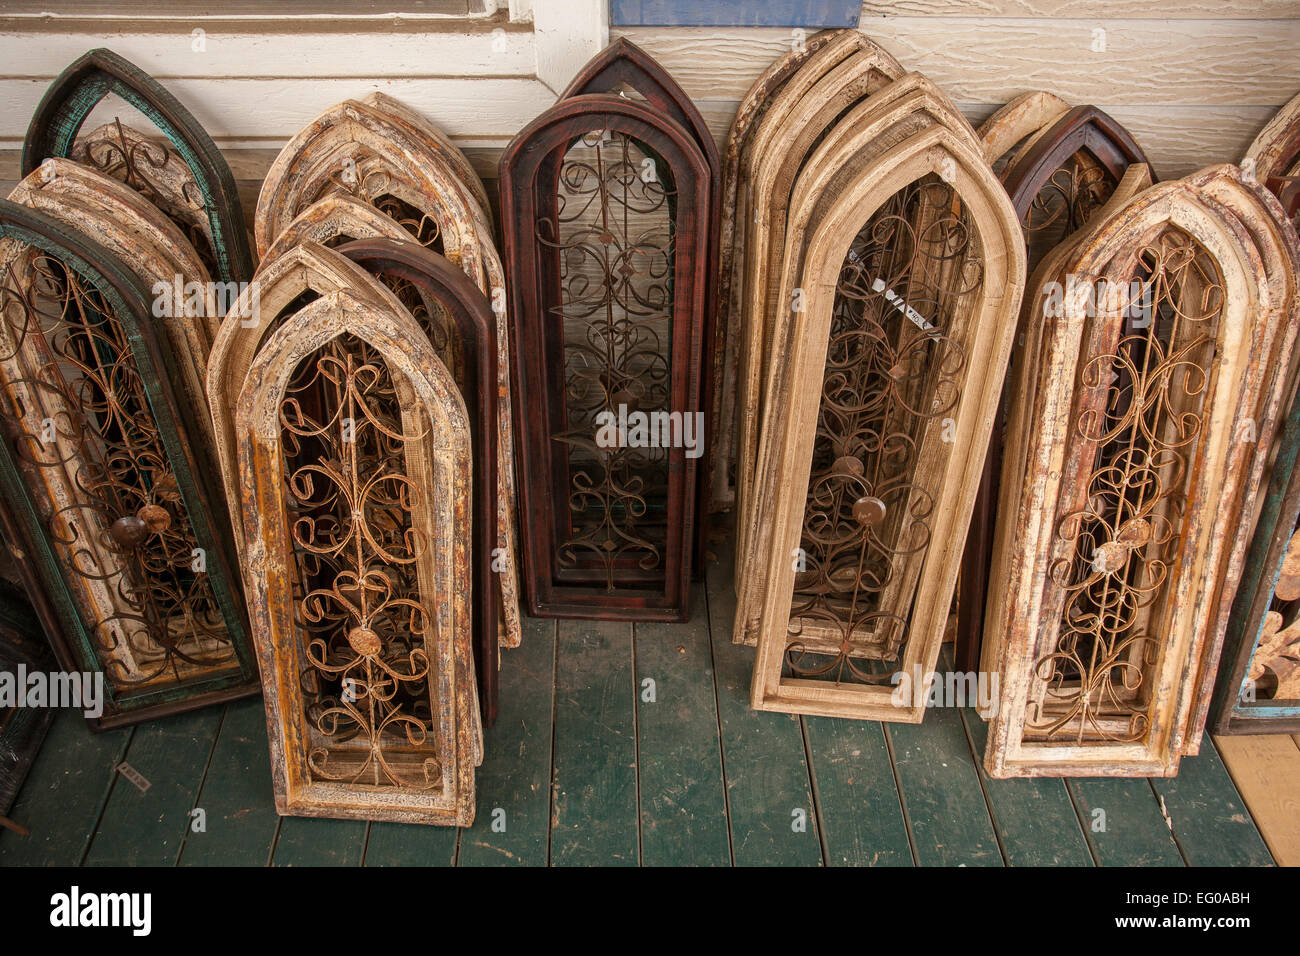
column 622, row 744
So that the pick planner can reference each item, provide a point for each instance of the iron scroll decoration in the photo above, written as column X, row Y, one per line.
column 610, row 528
column 438, row 280
column 624, row 64
column 91, row 281
column 1054, row 187
column 98, row 73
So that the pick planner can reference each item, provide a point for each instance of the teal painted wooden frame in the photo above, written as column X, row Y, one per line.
column 1229, row 714
column 24, row 531
column 78, row 89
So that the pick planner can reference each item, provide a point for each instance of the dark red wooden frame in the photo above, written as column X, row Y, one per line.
column 469, row 308
column 623, row 63
column 529, row 177
column 1082, row 128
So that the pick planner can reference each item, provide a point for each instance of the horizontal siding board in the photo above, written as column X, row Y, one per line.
column 1099, row 9
column 1194, row 62
column 1178, row 139
column 736, row 13
column 262, row 54
column 243, row 109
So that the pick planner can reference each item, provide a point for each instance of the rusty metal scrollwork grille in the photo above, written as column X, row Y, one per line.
column 365, row 177
column 1065, row 203
column 614, row 237
column 363, row 626
column 892, row 379
column 1138, row 419
column 157, row 171
column 75, row 412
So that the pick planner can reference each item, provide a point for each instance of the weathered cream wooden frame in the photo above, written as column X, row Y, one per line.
column 789, row 428
column 1256, row 340
column 439, row 462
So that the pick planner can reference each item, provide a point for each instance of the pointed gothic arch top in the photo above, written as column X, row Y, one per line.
column 1245, row 298
column 435, row 468
column 1082, row 128
column 75, row 92
column 625, row 63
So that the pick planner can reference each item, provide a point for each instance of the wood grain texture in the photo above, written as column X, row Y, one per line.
column 515, row 776
column 946, row 813
column 1123, row 823
column 63, row 795
column 1035, row 819
column 1266, row 771
column 858, row 805
column 1209, row 818
column 1221, row 212
column 148, row 828
column 991, row 61
column 765, row 762
column 314, row 842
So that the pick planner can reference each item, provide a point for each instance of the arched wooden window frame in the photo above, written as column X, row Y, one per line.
column 134, row 231
column 205, row 507
column 471, row 313
column 93, row 76
column 786, row 81
column 1274, row 156
column 1016, row 123
column 790, row 432
column 1040, row 156
column 858, row 138
column 435, row 178
column 335, row 218
column 444, row 455
column 305, row 267
column 1228, row 219
column 528, row 181
column 623, row 63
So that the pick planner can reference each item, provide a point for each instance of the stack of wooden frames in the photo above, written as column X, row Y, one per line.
column 1059, row 165
column 873, row 301
column 108, row 248
column 1149, row 387
column 1259, row 682
column 361, row 413
column 607, row 201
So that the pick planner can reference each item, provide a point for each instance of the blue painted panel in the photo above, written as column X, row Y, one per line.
column 734, row 13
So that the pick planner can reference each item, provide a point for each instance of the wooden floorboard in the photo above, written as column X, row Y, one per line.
column 583, row 768
column 308, row 841
column 858, row 806
column 239, row 809
column 947, row 817
column 683, row 802
column 64, row 793
column 1210, row 822
column 512, row 821
column 1266, row 771
column 1034, row 817
column 594, row 802
column 764, row 762
column 148, row 827
column 1123, row 822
